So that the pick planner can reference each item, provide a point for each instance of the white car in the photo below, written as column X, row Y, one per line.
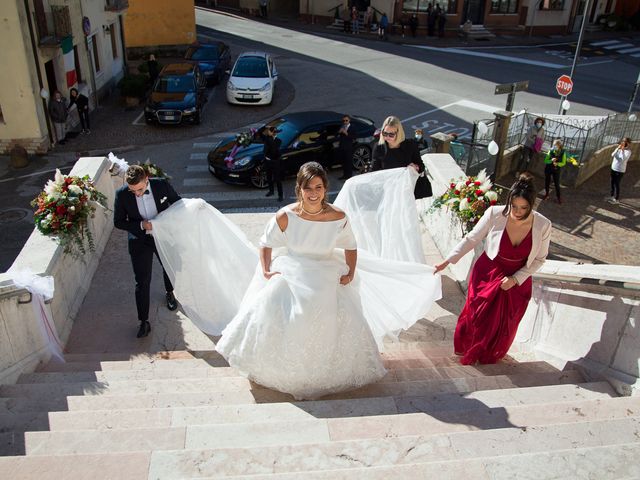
column 252, row 79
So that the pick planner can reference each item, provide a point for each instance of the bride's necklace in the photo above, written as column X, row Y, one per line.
column 309, row 213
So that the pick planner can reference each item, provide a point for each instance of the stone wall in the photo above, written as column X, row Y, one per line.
column 21, row 342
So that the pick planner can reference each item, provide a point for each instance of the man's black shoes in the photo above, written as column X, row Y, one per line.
column 145, row 328
column 172, row 303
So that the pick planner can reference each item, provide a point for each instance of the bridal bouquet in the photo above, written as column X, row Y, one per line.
column 244, row 139
column 63, row 208
column 468, row 198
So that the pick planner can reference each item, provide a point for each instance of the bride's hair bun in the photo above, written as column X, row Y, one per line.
column 525, row 181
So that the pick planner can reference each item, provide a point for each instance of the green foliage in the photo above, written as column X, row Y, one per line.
column 133, row 85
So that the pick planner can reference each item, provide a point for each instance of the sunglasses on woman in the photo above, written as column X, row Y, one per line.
column 389, row 134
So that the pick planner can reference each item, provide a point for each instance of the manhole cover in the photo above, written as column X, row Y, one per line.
column 13, row 215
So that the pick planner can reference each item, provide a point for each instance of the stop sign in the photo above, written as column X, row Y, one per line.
column 564, row 85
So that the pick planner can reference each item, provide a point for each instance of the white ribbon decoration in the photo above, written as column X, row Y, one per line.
column 41, row 289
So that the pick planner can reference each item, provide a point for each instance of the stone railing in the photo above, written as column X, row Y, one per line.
column 580, row 315
column 21, row 342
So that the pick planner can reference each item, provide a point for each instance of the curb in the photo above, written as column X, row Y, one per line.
column 105, row 152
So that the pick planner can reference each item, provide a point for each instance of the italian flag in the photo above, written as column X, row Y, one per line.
column 69, row 62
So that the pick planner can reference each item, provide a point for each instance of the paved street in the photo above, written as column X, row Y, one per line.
column 439, row 89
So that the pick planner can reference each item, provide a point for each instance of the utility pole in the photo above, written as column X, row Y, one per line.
column 633, row 95
column 578, row 48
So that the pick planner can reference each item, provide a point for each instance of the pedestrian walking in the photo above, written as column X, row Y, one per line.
column 58, row 112
column 263, row 8
column 355, row 21
column 153, row 67
column 533, row 141
column 441, row 20
column 382, row 28
column 413, row 24
column 621, row 156
column 82, row 104
column 553, row 163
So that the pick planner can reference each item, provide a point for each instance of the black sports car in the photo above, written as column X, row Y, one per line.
column 212, row 58
column 306, row 136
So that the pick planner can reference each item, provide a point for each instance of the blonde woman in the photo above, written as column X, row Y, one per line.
column 394, row 150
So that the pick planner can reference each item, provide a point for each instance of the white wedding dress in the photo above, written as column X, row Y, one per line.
column 300, row 332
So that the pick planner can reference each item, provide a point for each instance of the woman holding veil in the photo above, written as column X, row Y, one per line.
column 314, row 314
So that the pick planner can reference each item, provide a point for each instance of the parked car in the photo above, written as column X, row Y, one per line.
column 214, row 59
column 252, row 79
column 306, row 136
column 177, row 96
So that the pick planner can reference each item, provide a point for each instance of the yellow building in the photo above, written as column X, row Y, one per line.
column 34, row 64
column 152, row 23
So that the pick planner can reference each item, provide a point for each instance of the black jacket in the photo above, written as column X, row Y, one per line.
column 345, row 142
column 385, row 158
column 81, row 101
column 271, row 147
column 126, row 215
column 58, row 110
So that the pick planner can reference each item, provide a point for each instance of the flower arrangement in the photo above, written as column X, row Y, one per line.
column 468, row 198
column 119, row 165
column 63, row 208
column 243, row 139
column 154, row 170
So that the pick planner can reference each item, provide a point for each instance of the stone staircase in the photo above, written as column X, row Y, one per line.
column 187, row 414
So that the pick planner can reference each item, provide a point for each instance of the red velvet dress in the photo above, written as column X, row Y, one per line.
column 489, row 320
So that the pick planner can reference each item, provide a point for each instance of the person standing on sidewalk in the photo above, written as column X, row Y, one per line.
column 82, row 103
column 355, row 20
column 532, row 144
column 553, row 163
column 58, row 112
column 272, row 163
column 621, row 156
column 382, row 28
column 263, row 8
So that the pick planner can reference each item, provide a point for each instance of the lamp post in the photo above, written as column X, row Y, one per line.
column 578, row 47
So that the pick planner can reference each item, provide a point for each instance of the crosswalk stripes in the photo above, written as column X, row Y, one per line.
column 620, row 47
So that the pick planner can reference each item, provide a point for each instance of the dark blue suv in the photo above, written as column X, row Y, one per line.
column 212, row 58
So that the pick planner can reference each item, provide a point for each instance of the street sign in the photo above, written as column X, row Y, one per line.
column 512, row 87
column 564, row 85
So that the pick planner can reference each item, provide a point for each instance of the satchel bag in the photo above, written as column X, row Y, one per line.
column 423, row 187
column 537, row 144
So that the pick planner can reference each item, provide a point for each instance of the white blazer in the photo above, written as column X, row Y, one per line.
column 491, row 226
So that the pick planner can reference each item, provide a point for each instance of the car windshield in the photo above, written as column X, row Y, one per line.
column 251, row 67
column 287, row 131
column 201, row 54
column 174, row 84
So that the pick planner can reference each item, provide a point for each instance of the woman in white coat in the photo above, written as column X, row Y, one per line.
column 516, row 246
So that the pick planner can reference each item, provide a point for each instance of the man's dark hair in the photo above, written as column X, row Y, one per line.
column 135, row 174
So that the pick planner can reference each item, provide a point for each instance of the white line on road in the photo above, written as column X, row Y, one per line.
column 630, row 50
column 504, row 58
column 636, row 55
column 205, row 145
column 34, row 174
column 462, row 103
column 604, row 42
column 198, row 156
column 197, row 168
column 201, row 182
column 616, row 47
column 136, row 121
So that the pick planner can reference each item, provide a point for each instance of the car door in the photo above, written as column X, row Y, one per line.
column 273, row 72
column 307, row 146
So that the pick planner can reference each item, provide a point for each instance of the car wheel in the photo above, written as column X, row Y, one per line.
column 259, row 177
column 361, row 158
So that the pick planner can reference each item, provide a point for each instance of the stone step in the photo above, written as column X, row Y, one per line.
column 96, row 366
column 165, row 393
column 611, row 462
column 383, row 451
column 362, row 419
column 21, row 420
column 125, row 356
column 399, row 374
column 120, row 466
column 310, row 432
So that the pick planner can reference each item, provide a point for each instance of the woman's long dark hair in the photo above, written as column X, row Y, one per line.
column 306, row 173
column 522, row 188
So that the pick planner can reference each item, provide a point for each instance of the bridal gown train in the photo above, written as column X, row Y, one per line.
column 300, row 332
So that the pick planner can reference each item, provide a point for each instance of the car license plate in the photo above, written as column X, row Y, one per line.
column 247, row 95
column 170, row 117
column 234, row 175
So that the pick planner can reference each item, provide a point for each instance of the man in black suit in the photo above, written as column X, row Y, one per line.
column 136, row 204
column 346, row 137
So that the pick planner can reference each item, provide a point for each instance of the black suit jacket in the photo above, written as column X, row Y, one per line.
column 126, row 215
column 345, row 142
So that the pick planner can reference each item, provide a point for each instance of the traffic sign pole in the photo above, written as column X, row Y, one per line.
column 579, row 46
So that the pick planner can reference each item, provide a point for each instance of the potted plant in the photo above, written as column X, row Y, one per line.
column 133, row 87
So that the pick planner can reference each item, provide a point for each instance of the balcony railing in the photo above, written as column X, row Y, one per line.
column 116, row 5
column 53, row 26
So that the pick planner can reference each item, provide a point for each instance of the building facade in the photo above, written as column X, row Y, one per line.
column 35, row 65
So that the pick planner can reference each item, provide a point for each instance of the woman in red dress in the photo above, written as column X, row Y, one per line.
column 516, row 246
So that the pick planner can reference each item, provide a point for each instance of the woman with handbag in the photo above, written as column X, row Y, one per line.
column 532, row 144
column 394, row 150
column 553, row 163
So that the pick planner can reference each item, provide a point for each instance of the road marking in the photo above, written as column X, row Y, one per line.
column 205, row 145
column 136, row 121
column 198, row 156
column 504, row 58
column 636, row 55
column 604, row 42
column 209, row 181
column 463, row 103
column 197, row 168
column 629, row 50
column 616, row 47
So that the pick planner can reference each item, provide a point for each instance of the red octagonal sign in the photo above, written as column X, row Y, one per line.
column 564, row 85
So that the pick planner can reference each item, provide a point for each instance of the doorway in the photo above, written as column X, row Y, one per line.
column 51, row 77
column 474, row 11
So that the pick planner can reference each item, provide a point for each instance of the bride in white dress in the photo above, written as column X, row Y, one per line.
column 313, row 317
